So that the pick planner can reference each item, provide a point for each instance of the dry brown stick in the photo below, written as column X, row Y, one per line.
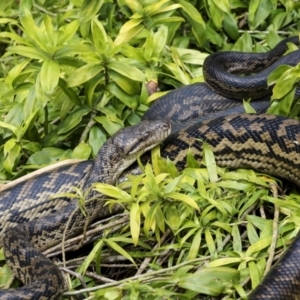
column 69, row 243
column 147, row 260
column 275, row 230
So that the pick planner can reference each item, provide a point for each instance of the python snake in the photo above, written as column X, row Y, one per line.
column 263, row 142
column 42, row 279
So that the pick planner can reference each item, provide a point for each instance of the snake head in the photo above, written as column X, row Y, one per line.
column 138, row 139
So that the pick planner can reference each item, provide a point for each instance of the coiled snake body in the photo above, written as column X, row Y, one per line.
column 267, row 143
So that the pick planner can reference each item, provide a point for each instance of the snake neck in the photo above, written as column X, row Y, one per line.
column 106, row 166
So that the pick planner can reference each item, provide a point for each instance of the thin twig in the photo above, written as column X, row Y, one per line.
column 69, row 243
column 148, row 259
column 145, row 276
column 99, row 277
column 274, row 190
column 264, row 32
column 88, row 127
column 75, row 274
column 262, row 212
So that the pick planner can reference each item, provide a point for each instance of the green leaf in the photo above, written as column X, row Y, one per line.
column 15, row 72
column 111, row 191
column 49, row 29
column 69, row 92
column 84, row 74
column 173, row 217
column 284, row 84
column 195, row 18
column 160, row 7
column 216, row 14
column 126, row 70
column 67, row 31
column 194, row 249
column 73, row 49
column 32, row 146
column 205, row 281
column 30, row 52
column 134, row 5
column 183, row 198
column 283, row 107
column 6, row 276
column 72, row 120
column 126, row 84
column 248, row 108
column 130, row 101
column 110, row 126
column 96, row 139
column 81, row 151
column 171, row 186
column 128, row 31
column 8, row 126
column 8, row 20
column 244, row 43
column 32, row 31
column 259, row 11
column 50, row 73
column 224, row 5
column 46, row 156
column 192, row 12
column 151, row 216
column 89, row 9
column 254, row 274
column 191, row 56
column 25, row 5
column 281, row 71
column 210, row 242
column 230, row 26
column 237, row 243
column 15, row 37
column 259, row 245
column 99, row 36
column 135, row 222
column 224, row 261
column 159, row 40
column 12, row 151
column 84, row 266
column 210, row 163
column 118, row 249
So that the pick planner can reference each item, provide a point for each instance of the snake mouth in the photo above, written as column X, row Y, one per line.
column 156, row 133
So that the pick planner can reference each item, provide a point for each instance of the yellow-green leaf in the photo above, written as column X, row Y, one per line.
column 84, row 73
column 30, row 52
column 50, row 73
column 135, row 222
column 126, row 70
column 184, row 198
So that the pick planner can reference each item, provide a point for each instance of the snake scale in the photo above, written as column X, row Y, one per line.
column 263, row 142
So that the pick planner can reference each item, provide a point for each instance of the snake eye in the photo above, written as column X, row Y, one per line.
column 146, row 134
column 166, row 126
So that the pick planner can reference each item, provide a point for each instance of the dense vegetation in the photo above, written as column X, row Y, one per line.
column 73, row 72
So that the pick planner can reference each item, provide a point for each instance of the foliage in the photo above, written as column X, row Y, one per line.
column 73, row 72
column 209, row 237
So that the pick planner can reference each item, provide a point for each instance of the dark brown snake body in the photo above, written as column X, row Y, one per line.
column 266, row 143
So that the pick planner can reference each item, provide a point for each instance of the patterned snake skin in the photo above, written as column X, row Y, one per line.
column 266, row 143
column 23, row 244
